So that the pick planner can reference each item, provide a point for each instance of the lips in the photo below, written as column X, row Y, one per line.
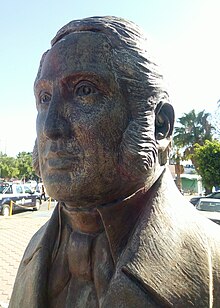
column 61, row 160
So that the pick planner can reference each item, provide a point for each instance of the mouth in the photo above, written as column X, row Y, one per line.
column 61, row 160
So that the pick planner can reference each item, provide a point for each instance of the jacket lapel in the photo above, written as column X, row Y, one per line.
column 47, row 237
column 34, row 267
column 161, row 259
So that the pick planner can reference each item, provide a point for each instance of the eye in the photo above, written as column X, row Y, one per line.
column 45, row 98
column 85, row 89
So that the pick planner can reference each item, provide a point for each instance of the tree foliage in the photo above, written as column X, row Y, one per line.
column 193, row 128
column 19, row 167
column 8, row 167
column 24, row 165
column 208, row 161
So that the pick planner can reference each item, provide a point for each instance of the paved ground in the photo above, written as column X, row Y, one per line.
column 15, row 233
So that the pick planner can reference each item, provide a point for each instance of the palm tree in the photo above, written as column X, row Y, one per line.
column 192, row 128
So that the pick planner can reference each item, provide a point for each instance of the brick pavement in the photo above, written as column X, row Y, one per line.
column 15, row 233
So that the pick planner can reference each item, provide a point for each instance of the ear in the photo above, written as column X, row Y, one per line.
column 164, row 122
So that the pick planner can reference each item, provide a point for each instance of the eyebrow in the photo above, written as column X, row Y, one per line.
column 76, row 77
column 40, row 82
column 80, row 75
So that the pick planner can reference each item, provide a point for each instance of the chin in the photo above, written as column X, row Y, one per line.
column 80, row 191
column 69, row 188
column 57, row 184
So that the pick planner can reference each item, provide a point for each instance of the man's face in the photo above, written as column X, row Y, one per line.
column 81, row 119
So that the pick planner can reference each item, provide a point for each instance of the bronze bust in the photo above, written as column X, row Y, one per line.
column 121, row 235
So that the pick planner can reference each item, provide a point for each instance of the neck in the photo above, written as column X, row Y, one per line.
column 89, row 220
column 81, row 220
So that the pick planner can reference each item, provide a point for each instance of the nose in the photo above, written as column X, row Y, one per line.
column 56, row 125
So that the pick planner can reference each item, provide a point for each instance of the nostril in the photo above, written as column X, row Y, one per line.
column 53, row 133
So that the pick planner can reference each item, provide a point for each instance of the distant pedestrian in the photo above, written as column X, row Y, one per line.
column 43, row 193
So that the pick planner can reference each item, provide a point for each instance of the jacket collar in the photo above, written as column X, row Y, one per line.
column 152, row 256
column 119, row 220
column 159, row 256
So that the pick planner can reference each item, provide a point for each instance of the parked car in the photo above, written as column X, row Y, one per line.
column 215, row 194
column 210, row 208
column 21, row 195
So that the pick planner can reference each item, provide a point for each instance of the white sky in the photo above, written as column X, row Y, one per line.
column 185, row 35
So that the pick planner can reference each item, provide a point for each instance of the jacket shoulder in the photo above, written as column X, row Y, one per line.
column 175, row 252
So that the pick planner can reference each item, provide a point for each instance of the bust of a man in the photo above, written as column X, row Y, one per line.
column 121, row 235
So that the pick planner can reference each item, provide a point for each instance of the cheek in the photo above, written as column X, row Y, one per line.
column 40, row 124
column 41, row 140
column 101, row 129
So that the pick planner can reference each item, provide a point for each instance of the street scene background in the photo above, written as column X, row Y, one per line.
column 15, row 233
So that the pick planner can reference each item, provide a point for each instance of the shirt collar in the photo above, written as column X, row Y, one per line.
column 119, row 219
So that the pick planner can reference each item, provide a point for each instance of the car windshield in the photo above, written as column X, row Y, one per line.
column 2, row 187
column 27, row 190
column 215, row 195
column 209, row 206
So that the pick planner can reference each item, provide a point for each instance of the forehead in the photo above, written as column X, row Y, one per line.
column 76, row 53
